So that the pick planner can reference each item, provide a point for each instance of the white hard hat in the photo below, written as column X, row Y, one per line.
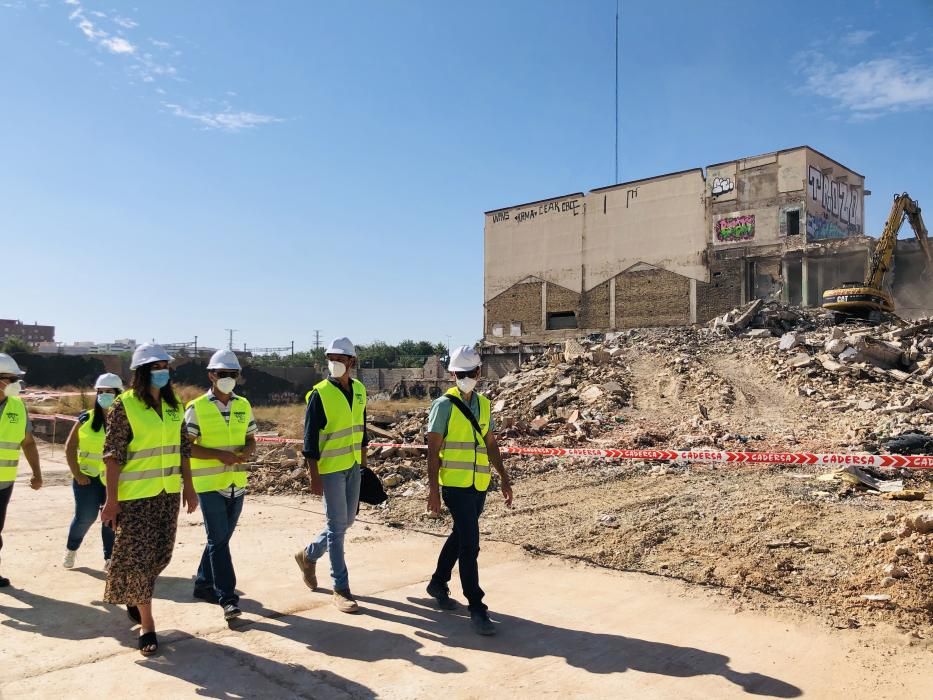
column 109, row 381
column 224, row 359
column 341, row 346
column 8, row 365
column 464, row 359
column 149, row 352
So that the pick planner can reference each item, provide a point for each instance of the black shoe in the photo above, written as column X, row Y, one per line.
column 231, row 612
column 441, row 594
column 205, row 594
column 482, row 624
column 4, row 582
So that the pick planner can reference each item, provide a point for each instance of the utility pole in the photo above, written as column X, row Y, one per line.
column 231, row 331
column 317, row 339
column 618, row 12
column 196, row 346
column 293, row 348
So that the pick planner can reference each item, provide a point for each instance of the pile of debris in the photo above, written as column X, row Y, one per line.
column 568, row 398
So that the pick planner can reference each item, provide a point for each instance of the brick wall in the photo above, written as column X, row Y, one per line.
column 652, row 298
column 562, row 299
column 724, row 291
column 594, row 307
column 521, row 302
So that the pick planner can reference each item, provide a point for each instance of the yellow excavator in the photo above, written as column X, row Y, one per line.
column 869, row 298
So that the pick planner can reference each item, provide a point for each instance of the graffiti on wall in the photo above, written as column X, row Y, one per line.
column 820, row 228
column 721, row 185
column 571, row 206
column 737, row 228
column 841, row 203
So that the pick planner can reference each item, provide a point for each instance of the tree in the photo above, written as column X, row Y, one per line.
column 15, row 345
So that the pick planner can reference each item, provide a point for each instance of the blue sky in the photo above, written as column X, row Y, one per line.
column 174, row 168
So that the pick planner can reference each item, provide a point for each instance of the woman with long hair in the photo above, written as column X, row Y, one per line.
column 146, row 453
column 84, row 452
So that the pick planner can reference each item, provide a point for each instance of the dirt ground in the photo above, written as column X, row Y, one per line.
column 766, row 537
column 566, row 629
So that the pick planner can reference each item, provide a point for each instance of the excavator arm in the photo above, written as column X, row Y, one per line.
column 884, row 252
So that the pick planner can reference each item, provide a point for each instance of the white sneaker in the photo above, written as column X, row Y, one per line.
column 69, row 561
column 106, row 566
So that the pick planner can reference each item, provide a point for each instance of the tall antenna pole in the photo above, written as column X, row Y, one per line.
column 618, row 7
column 231, row 331
column 317, row 339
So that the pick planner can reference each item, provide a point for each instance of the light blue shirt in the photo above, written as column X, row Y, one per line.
column 439, row 416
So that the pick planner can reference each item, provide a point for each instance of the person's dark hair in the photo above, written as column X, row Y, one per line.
column 97, row 422
column 142, row 378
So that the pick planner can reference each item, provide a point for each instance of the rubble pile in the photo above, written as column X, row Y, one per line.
column 564, row 399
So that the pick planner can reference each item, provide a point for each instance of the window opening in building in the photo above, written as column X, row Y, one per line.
column 559, row 320
column 793, row 223
column 516, row 328
column 498, row 330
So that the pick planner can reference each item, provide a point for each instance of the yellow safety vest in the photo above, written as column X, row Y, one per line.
column 153, row 457
column 12, row 434
column 219, row 434
column 341, row 440
column 91, row 448
column 464, row 462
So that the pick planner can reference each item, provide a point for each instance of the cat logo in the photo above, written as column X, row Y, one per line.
column 240, row 416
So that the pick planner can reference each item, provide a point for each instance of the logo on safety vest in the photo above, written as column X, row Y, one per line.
column 240, row 416
column 172, row 413
column 14, row 417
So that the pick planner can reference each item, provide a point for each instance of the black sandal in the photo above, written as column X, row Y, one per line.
column 133, row 613
column 148, row 640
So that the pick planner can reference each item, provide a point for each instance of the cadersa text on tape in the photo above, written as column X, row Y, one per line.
column 858, row 460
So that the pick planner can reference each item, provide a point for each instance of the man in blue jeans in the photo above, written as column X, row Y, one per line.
column 335, row 451
column 462, row 447
column 222, row 430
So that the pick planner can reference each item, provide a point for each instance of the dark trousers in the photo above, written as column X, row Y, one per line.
column 4, row 502
column 465, row 506
column 216, row 570
column 88, row 502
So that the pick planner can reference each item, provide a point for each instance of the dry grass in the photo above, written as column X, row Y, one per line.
column 289, row 421
column 73, row 405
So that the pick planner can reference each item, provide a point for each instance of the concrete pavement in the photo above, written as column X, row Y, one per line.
column 565, row 630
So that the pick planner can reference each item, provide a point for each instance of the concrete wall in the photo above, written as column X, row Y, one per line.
column 835, row 199
column 521, row 304
column 542, row 240
column 660, row 221
column 724, row 290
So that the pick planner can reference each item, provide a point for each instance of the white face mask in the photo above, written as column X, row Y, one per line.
column 226, row 385
column 336, row 369
column 466, row 385
column 12, row 389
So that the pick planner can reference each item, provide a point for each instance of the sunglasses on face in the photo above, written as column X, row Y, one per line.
column 9, row 379
column 471, row 373
column 227, row 374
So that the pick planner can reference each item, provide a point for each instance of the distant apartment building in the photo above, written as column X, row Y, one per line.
column 674, row 249
column 32, row 334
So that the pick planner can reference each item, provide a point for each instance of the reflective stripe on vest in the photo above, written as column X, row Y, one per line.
column 153, row 457
column 12, row 434
column 464, row 458
column 91, row 448
column 219, row 434
column 341, row 440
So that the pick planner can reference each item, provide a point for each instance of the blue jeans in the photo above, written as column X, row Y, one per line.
column 465, row 506
column 88, row 502
column 216, row 570
column 341, row 499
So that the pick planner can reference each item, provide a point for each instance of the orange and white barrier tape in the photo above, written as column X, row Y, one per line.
column 680, row 456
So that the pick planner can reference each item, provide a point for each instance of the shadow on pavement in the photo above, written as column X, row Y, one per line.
column 65, row 620
column 591, row 651
column 353, row 642
column 220, row 671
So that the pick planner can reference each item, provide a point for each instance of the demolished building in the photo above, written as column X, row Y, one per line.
column 674, row 249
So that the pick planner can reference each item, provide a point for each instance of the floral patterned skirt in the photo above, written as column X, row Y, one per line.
column 143, row 548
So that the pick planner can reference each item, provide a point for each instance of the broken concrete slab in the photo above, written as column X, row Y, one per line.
column 543, row 399
column 791, row 340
